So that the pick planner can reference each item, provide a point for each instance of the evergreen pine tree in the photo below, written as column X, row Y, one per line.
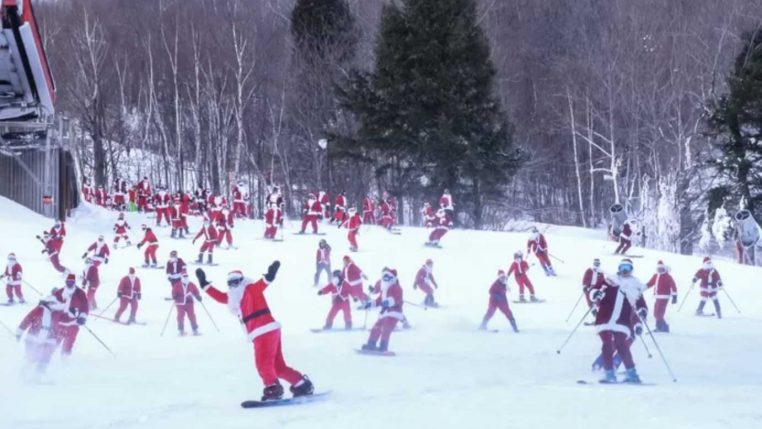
column 428, row 111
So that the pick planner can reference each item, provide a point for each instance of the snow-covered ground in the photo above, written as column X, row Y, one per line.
column 445, row 374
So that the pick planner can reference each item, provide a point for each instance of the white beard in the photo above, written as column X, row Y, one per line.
column 235, row 295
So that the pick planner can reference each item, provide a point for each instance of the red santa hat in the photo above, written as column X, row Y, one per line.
column 707, row 259
column 500, row 273
column 660, row 264
column 71, row 278
column 429, row 262
column 11, row 255
column 235, row 277
column 347, row 259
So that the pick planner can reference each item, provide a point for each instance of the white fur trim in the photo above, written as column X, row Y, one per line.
column 272, row 326
column 395, row 314
column 613, row 326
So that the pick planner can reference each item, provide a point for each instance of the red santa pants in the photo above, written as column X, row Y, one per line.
column 615, row 342
column 660, row 308
column 501, row 305
column 228, row 236
column 123, row 303
column 624, row 246
column 705, row 296
column 91, row 290
column 339, row 216
column 586, row 293
column 239, row 208
column 425, row 287
column 312, row 220
column 270, row 231
column 437, row 234
column 339, row 305
column 268, row 357
column 183, row 310
column 162, row 213
column 386, row 221
column 11, row 289
column 523, row 281
column 121, row 236
column 56, row 264
column 352, row 237
column 142, row 203
column 150, row 253
column 118, row 200
column 368, row 217
column 383, row 329
column 208, row 246
column 66, row 336
column 542, row 258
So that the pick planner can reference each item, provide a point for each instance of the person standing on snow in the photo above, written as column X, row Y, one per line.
column 498, row 300
column 152, row 245
column 322, row 261
column 91, row 280
column 209, row 232
column 592, row 279
column 128, row 293
column 100, row 251
column 519, row 269
column 53, row 249
column 664, row 291
column 424, row 280
column 353, row 277
column 120, row 230
column 539, row 246
column 184, row 293
column 13, row 275
column 340, row 301
column 353, row 224
column 625, row 237
column 710, row 284
column 390, row 299
column 312, row 212
column 245, row 298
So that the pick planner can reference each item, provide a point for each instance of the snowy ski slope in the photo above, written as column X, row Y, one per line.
column 446, row 374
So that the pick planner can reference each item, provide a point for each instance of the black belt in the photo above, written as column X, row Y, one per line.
column 256, row 314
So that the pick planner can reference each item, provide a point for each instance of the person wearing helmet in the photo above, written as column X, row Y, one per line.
column 593, row 278
column 13, row 274
column 120, row 231
column 273, row 219
column 322, row 261
column 128, row 293
column 625, row 237
column 152, row 245
column 665, row 290
column 519, row 269
column 209, row 232
column 353, row 223
column 312, row 211
column 245, row 298
column 390, row 300
column 537, row 244
column 99, row 250
column 710, row 284
column 424, row 280
column 91, row 281
column 621, row 314
column 498, row 300
column 340, row 299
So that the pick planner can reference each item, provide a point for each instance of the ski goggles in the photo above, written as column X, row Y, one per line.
column 625, row 268
column 388, row 277
column 70, row 283
column 596, row 263
column 235, row 282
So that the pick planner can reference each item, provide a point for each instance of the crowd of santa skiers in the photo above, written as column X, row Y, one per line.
column 616, row 301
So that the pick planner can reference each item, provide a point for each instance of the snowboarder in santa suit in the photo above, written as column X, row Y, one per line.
column 368, row 211
column 592, row 279
column 353, row 277
column 390, row 299
column 183, row 293
column 245, row 298
column 539, row 246
column 13, row 276
column 128, row 293
column 100, row 251
column 427, row 215
column 322, row 261
column 87, row 190
column 665, row 291
column 239, row 194
column 273, row 219
column 312, row 212
column 144, row 192
column 519, row 269
column 91, row 280
column 58, row 230
column 387, row 221
column 625, row 237
column 498, row 300
column 152, row 245
column 424, row 280
column 353, row 224
column 175, row 267
column 39, row 342
column 325, row 203
column 120, row 230
column 209, row 232
column 446, row 203
column 162, row 200
column 53, row 249
column 621, row 310
column 710, row 284
column 340, row 301
column 442, row 226
column 340, row 208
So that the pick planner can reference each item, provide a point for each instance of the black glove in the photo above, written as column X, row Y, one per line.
column 198, row 298
column 674, row 299
column 415, row 286
column 201, row 277
column 106, row 261
column 597, row 295
column 140, row 245
column 81, row 320
column 272, row 270
column 38, row 237
column 643, row 313
column 320, row 292
column 118, row 294
column 43, row 303
column 138, row 296
column 84, row 255
column 638, row 329
column 43, row 250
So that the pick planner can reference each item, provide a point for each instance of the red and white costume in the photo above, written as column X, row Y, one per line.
column 177, row 219
column 519, row 269
column 537, row 245
column 184, row 292
column 240, row 197
column 625, row 238
column 424, row 280
column 353, row 277
column 101, row 196
column 209, row 233
column 120, row 194
column 340, row 302
column 53, row 248
column 143, row 190
column 225, row 226
column 427, row 216
column 441, row 228
column 58, row 230
column 128, row 293
column 99, row 251
column 162, row 201
column 325, row 204
column 91, row 280
column 120, row 231
column 710, row 284
column 175, row 268
column 353, row 224
column 498, row 299
column 387, row 221
column 390, row 299
column 340, row 209
column 273, row 218
column 152, row 245
column 665, row 290
column 13, row 275
column 87, row 191
column 312, row 212
column 368, row 211
column 592, row 279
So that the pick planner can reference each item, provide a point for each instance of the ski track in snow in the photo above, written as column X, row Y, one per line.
column 444, row 374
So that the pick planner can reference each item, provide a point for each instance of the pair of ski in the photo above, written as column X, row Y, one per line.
column 200, row 264
column 603, row 382
column 537, row 301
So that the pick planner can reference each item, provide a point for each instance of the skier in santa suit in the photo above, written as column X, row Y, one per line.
column 353, row 224
column 368, row 211
column 128, row 293
column 322, row 261
column 665, row 290
column 498, row 300
column 120, row 190
column 101, row 196
column 325, row 203
column 442, row 227
column 519, row 269
column 239, row 202
column 621, row 310
column 273, row 219
column 200, row 200
column 58, row 230
column 162, row 206
column 69, row 310
column 225, row 226
column 39, row 341
column 120, row 230
column 312, row 212
column 275, row 197
column 13, row 276
column 387, row 221
column 710, row 284
column 209, row 232
column 593, row 278
column 144, row 193
column 539, row 246
column 176, row 220
column 99, row 250
column 87, row 191
column 427, row 215
column 152, row 245
column 175, row 267
column 91, row 280
column 53, row 249
column 183, row 293
column 245, row 298
column 340, row 301
column 625, row 237
column 353, row 277
column 446, row 203
column 340, row 208
column 390, row 299
column 424, row 280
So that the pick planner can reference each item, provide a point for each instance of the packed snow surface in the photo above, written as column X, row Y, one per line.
column 446, row 374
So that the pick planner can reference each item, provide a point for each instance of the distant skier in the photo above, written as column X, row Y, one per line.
column 87, row 191
column 325, row 204
column 13, row 277
column 424, row 280
column 245, row 298
column 353, row 223
column 312, row 212
column 99, row 251
column 353, row 277
column 519, row 269
column 152, row 245
column 390, row 299
column 539, row 246
column 225, row 225
column 665, row 290
column 427, row 215
column 340, row 301
column 128, row 293
column 446, row 204
column 120, row 230
column 91, row 280
column 593, row 278
column 620, row 302
column 710, row 285
column 340, row 209
column 368, row 211
column 625, row 237
column 58, row 230
column 144, row 193
column 209, row 232
column 442, row 226
column 386, row 221
column 273, row 220
column 161, row 201
column 53, row 249
column 240, row 196
column 322, row 261
column 498, row 300
column 177, row 220
column 183, row 293
column 175, row 267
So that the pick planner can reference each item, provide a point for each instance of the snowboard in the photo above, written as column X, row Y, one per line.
column 158, row 267
column 627, row 256
column 539, row 301
column 285, row 401
column 133, row 323
column 214, row 264
column 375, row 353
column 585, row 382
column 9, row 304
column 706, row 315
column 327, row 331
column 309, row 233
column 433, row 245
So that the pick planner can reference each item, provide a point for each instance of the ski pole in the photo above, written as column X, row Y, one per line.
column 99, row 340
column 365, row 322
column 575, row 307
column 574, row 330
column 658, row 349
column 210, row 316
column 7, row 328
column 100, row 315
column 686, row 297
column 731, row 300
column 32, row 287
column 646, row 347
column 557, row 259
column 167, row 320
column 416, row 305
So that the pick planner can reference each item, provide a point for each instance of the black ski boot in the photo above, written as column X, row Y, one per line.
column 717, row 308
column 370, row 346
column 302, row 388
column 348, row 326
column 383, row 346
column 513, row 324
column 200, row 258
column 173, row 233
column 209, row 259
column 700, row 309
column 273, row 392
column 522, row 299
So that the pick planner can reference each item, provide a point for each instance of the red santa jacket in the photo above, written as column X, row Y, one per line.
column 67, row 307
column 273, row 217
column 352, row 275
column 367, row 205
column 663, row 284
column 323, row 198
column 249, row 304
column 445, row 202
column 313, row 208
column 32, row 323
column 53, row 246
column 59, row 231
column 208, row 232
column 226, row 218
column 518, row 269
column 353, row 223
column 129, row 287
column 393, row 297
column 615, row 310
column 183, row 293
column 592, row 279
column 121, row 226
column 215, row 213
column 144, row 188
column 174, row 269
column 338, row 293
column 100, row 251
column 537, row 245
column 90, row 277
column 498, row 291
column 323, row 255
column 13, row 274
column 710, row 280
column 424, row 277
column 100, row 196
column 149, row 238
column 428, row 216
column 237, row 195
column 385, row 208
column 341, row 202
